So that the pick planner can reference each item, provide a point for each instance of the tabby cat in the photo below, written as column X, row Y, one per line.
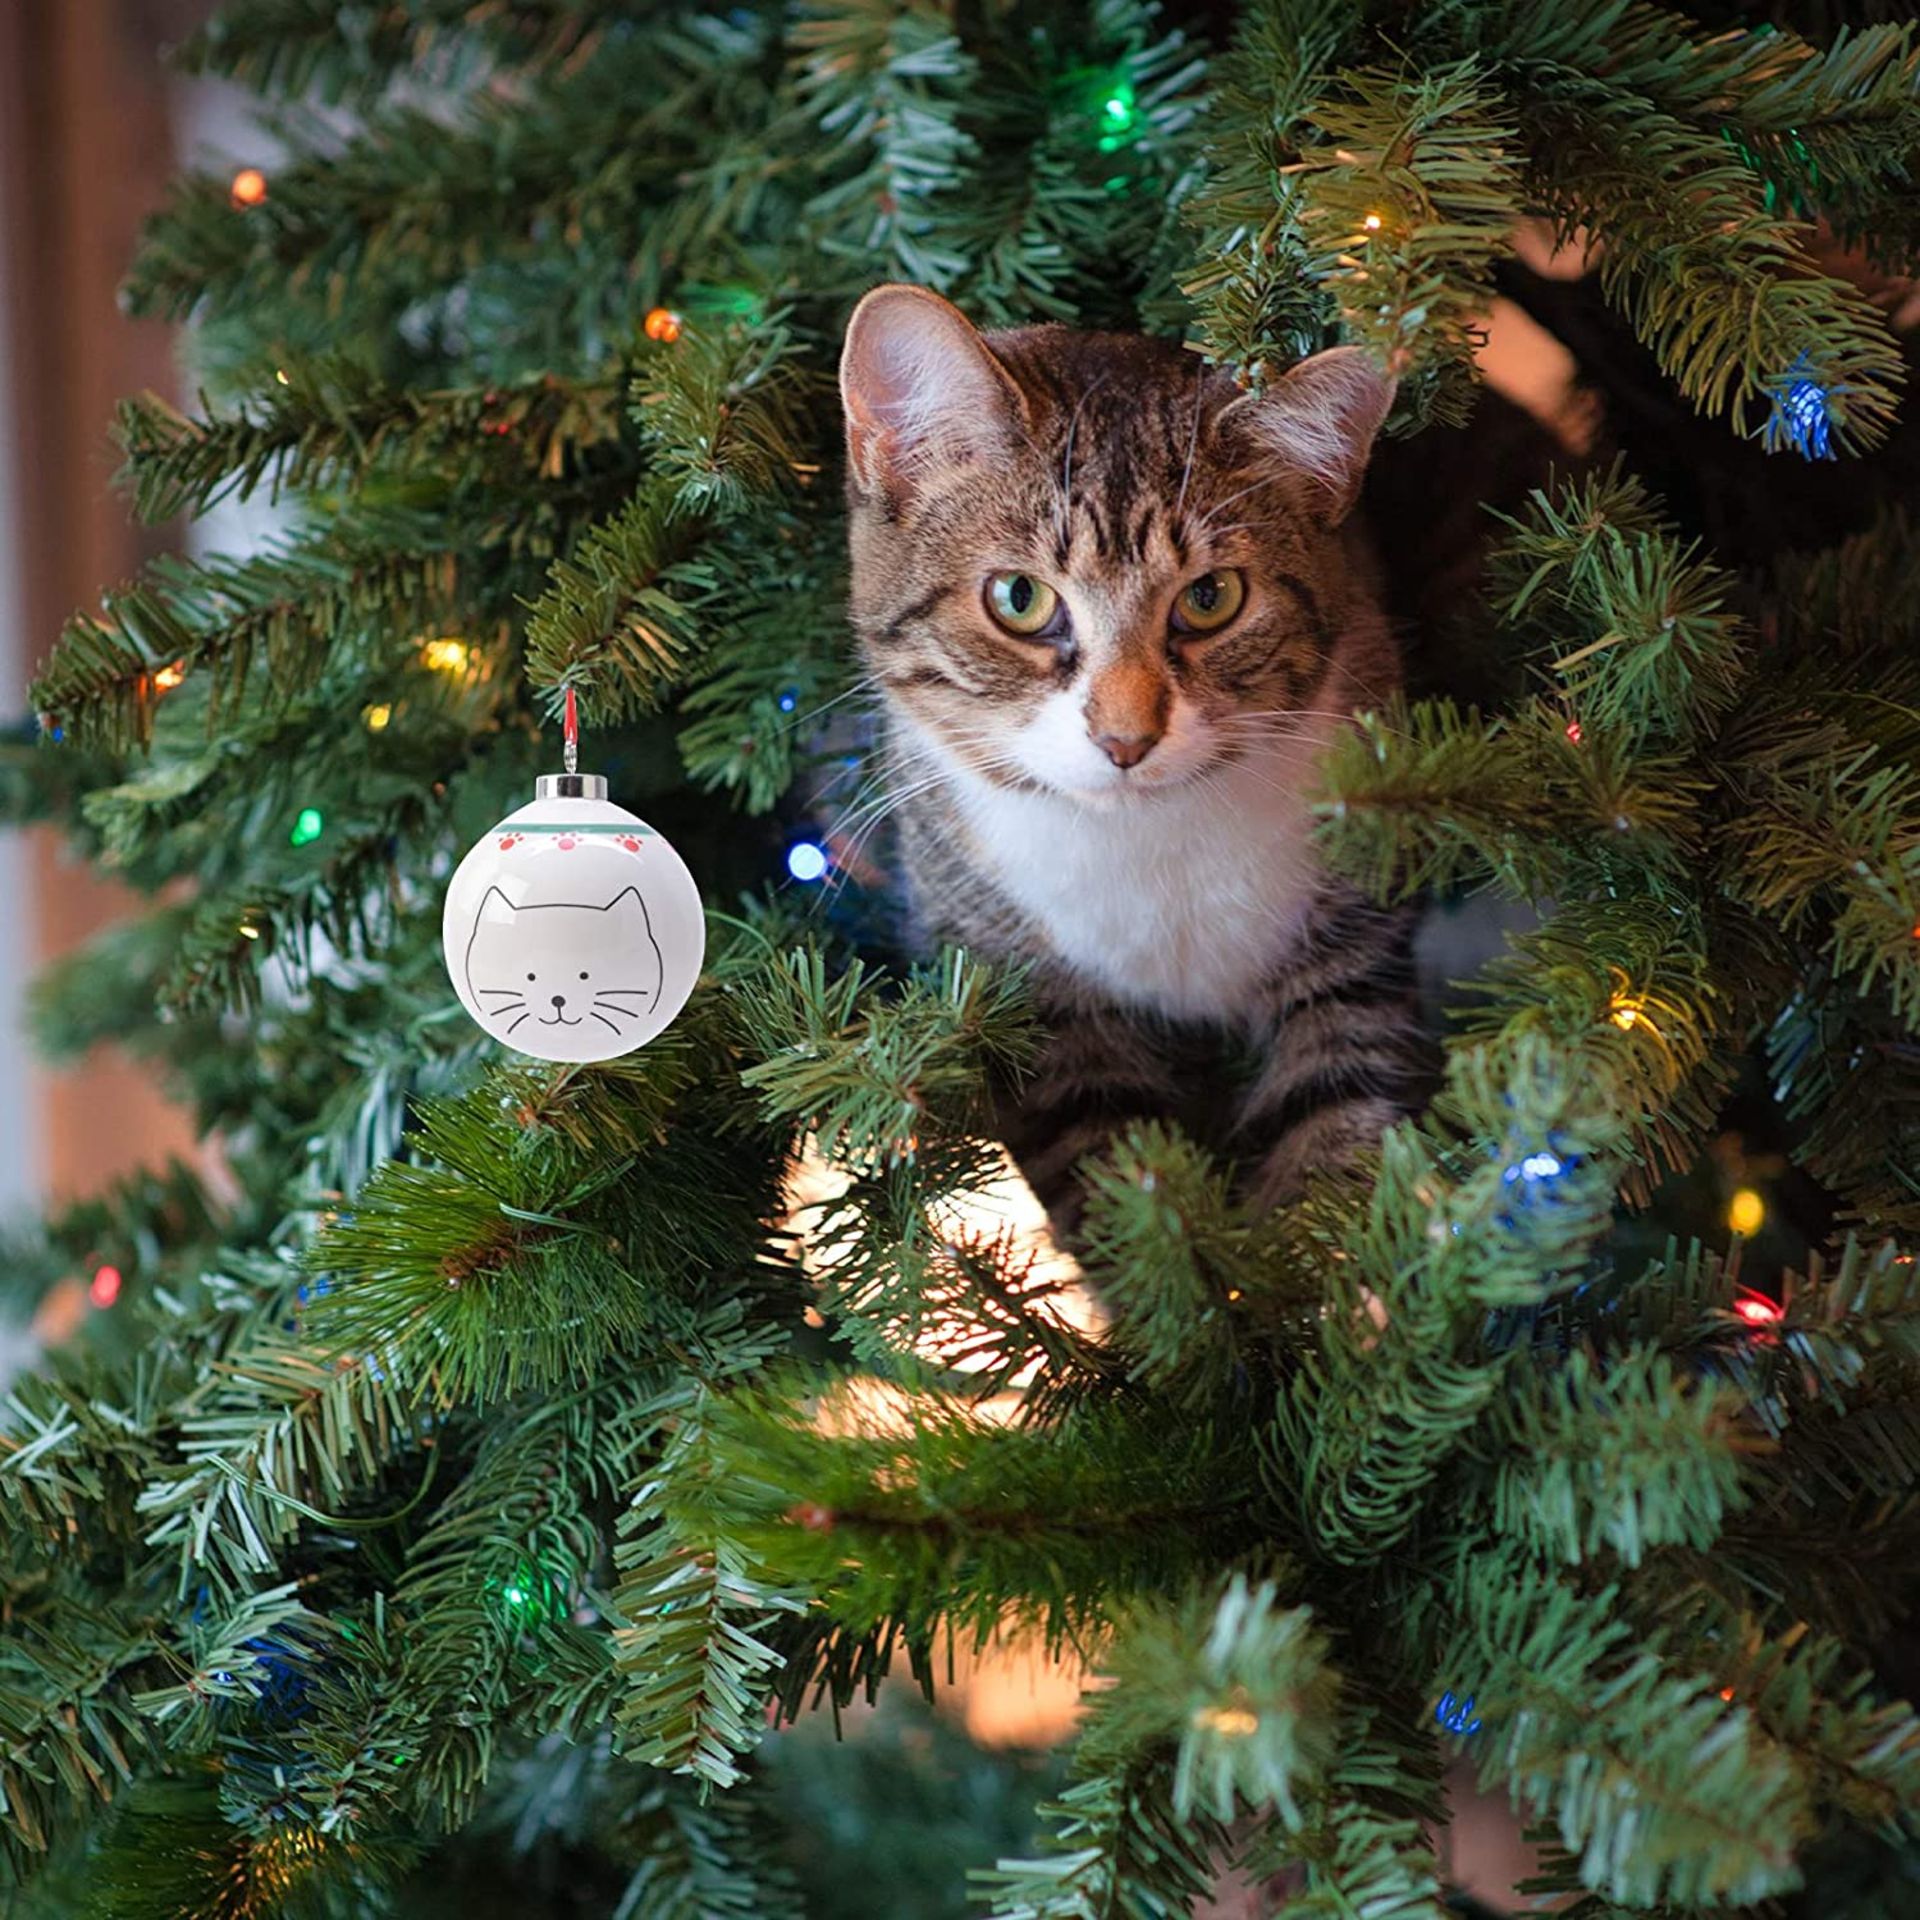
column 1116, row 608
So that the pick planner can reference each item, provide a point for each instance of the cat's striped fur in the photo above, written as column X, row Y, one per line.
column 1125, row 806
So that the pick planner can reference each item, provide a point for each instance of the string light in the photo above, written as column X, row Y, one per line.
column 807, row 860
column 1456, row 1716
column 1802, row 416
column 789, row 700
column 248, row 931
column 105, row 1287
column 1373, row 223
column 447, row 655
column 166, row 678
column 1625, row 1008
column 662, row 324
column 1746, row 1212
column 307, row 828
column 1117, row 115
column 280, row 374
column 1536, row 1166
column 249, row 187
column 1574, row 732
column 377, row 717
column 1231, row 1723
column 1756, row 1309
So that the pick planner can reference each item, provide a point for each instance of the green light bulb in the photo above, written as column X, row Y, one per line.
column 1117, row 116
column 307, row 828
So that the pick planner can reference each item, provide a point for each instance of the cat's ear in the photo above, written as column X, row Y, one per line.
column 494, row 893
column 1322, row 418
column 918, row 382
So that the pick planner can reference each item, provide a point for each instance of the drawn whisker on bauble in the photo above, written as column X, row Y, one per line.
column 524, row 1018
column 613, row 1006
column 517, row 993
column 604, row 1021
column 598, row 991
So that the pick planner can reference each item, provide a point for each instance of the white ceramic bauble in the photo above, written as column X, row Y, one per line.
column 573, row 931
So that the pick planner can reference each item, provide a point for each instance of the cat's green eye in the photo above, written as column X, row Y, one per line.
column 1024, row 606
column 1207, row 604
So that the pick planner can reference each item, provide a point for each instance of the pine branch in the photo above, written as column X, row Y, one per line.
column 930, row 1517
column 1723, row 294
column 282, row 620
column 280, row 1434
column 693, row 1609
column 1643, row 639
column 70, row 1733
column 404, row 209
column 1666, row 1791
column 1405, row 1372
column 1407, row 200
column 295, row 48
column 884, row 82
column 515, row 1255
column 1825, row 827
column 1175, row 1255
column 1258, row 303
column 614, row 622
column 1586, row 1460
column 1118, row 1850
column 1240, row 1690
column 706, row 1861
column 1430, row 797
column 865, row 1073
column 329, row 422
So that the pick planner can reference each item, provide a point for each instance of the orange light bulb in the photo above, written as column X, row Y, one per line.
column 249, row 187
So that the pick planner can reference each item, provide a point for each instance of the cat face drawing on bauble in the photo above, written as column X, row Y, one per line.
column 567, row 980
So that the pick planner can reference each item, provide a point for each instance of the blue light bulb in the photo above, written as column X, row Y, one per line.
column 1802, row 415
column 807, row 860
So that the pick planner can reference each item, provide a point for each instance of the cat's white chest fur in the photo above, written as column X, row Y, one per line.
column 1179, row 901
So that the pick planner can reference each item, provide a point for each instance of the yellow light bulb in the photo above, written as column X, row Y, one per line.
column 447, row 656
column 377, row 717
column 1746, row 1212
column 167, row 678
column 1624, row 1015
column 1373, row 223
column 1231, row 1723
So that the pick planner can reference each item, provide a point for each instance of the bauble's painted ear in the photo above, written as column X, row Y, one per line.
column 919, row 384
column 487, row 911
column 1321, row 419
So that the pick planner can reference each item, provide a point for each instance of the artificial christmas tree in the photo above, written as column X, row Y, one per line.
column 448, row 1517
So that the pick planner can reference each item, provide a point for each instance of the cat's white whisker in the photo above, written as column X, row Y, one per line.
column 1193, row 438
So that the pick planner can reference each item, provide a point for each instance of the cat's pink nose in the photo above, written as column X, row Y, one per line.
column 1126, row 749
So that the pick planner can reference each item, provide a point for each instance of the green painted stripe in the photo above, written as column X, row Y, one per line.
column 634, row 832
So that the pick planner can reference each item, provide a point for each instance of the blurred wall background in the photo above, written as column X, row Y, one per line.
column 90, row 128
